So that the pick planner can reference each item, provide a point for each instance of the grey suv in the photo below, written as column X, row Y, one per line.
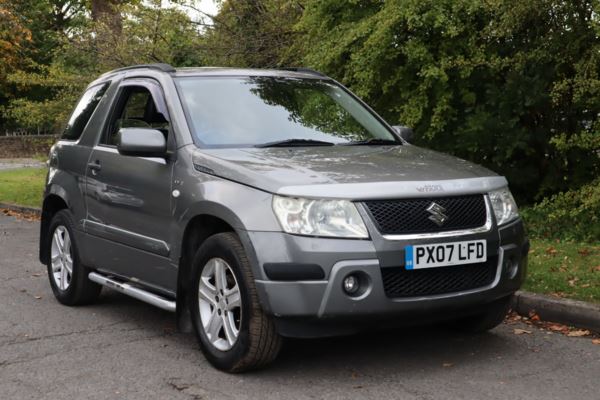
column 261, row 204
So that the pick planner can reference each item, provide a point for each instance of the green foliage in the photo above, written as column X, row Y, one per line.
column 574, row 214
column 49, row 111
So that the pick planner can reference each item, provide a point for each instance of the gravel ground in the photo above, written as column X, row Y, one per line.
column 122, row 348
column 15, row 163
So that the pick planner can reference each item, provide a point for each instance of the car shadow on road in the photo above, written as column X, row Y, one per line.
column 400, row 349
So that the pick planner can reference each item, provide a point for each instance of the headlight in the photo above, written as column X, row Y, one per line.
column 333, row 218
column 504, row 206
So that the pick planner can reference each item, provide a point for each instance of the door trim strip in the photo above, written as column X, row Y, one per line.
column 129, row 238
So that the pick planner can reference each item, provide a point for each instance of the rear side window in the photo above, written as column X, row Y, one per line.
column 83, row 112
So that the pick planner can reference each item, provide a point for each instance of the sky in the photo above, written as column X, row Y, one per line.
column 208, row 6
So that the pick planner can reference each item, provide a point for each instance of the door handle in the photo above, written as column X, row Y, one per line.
column 95, row 167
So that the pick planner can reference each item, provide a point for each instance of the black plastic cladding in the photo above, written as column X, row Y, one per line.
column 399, row 282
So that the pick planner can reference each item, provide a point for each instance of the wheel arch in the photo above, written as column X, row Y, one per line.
column 207, row 220
column 54, row 201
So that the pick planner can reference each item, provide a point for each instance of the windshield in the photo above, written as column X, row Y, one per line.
column 254, row 111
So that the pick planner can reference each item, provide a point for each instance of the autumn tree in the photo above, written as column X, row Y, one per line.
column 123, row 34
column 14, row 36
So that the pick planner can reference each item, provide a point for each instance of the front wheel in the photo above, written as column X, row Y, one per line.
column 234, row 333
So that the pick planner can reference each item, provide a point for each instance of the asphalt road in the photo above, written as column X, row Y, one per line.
column 122, row 348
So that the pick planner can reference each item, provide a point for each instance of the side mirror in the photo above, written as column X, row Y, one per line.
column 405, row 132
column 141, row 142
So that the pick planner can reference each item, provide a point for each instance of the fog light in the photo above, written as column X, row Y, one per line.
column 511, row 267
column 351, row 284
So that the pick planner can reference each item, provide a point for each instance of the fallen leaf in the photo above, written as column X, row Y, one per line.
column 551, row 250
column 558, row 327
column 573, row 281
column 585, row 285
column 518, row 331
column 533, row 316
column 579, row 333
column 596, row 268
column 36, row 274
column 596, row 341
column 447, row 365
column 37, row 297
column 584, row 252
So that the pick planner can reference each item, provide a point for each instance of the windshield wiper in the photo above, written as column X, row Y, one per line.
column 295, row 143
column 372, row 141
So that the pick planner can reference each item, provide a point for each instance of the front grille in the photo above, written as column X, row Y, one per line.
column 405, row 216
column 399, row 282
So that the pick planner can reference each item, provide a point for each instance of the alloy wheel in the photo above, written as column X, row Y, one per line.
column 61, row 256
column 220, row 304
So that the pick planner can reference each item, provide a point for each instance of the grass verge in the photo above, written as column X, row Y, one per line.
column 564, row 269
column 23, row 186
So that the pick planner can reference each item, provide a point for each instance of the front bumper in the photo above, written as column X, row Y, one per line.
column 324, row 299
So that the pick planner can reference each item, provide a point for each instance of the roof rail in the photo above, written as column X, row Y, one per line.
column 159, row 66
column 305, row 70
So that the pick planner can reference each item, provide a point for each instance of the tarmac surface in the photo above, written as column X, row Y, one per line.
column 122, row 348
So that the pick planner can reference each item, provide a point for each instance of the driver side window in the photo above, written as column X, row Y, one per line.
column 136, row 108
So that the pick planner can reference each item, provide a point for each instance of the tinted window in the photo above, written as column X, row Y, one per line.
column 258, row 110
column 137, row 110
column 83, row 112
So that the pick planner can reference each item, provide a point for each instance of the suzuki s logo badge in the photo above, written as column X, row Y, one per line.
column 438, row 214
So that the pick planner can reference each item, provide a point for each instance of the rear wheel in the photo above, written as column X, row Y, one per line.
column 234, row 333
column 489, row 319
column 68, row 278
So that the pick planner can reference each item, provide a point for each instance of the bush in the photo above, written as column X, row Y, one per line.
column 572, row 215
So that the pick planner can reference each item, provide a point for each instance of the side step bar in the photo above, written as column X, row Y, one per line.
column 134, row 292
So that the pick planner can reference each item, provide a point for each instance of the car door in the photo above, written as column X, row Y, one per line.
column 129, row 198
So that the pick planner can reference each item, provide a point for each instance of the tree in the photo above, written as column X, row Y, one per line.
column 252, row 33
column 125, row 33
column 14, row 37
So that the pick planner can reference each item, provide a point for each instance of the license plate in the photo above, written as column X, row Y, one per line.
column 445, row 254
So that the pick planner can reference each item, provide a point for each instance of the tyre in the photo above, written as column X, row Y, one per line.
column 68, row 278
column 489, row 319
column 234, row 333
